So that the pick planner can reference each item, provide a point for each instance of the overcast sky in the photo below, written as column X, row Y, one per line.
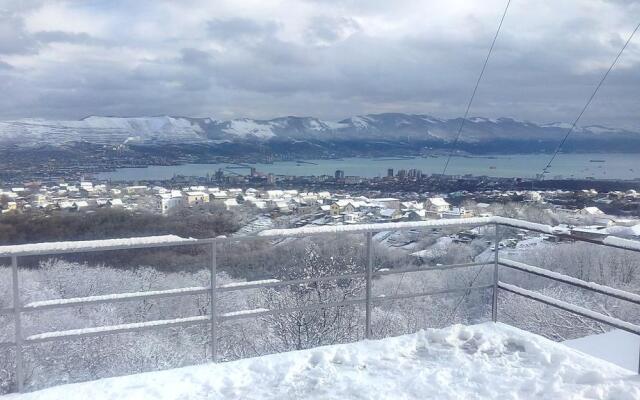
column 330, row 59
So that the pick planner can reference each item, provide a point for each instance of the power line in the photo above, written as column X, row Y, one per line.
column 564, row 139
column 475, row 89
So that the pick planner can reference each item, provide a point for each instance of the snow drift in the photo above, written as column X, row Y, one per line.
column 487, row 361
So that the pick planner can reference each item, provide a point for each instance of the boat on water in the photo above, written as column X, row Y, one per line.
column 597, row 161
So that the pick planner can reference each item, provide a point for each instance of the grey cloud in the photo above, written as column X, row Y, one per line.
column 333, row 68
column 195, row 57
column 330, row 29
column 13, row 37
column 66, row 37
column 235, row 29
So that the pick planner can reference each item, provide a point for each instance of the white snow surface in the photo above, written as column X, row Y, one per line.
column 617, row 346
column 487, row 361
column 53, row 247
column 245, row 127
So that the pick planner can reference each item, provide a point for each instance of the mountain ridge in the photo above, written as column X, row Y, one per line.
column 385, row 127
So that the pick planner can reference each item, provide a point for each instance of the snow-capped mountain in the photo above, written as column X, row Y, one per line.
column 371, row 127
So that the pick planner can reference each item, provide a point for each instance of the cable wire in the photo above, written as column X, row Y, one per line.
column 475, row 89
column 593, row 95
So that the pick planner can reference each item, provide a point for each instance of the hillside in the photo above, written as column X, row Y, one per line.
column 501, row 135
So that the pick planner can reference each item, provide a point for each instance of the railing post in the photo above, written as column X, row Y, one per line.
column 214, row 313
column 369, row 274
column 494, row 303
column 17, row 310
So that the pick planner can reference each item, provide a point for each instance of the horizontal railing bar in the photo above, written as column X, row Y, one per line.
column 233, row 285
column 431, row 293
column 113, row 298
column 608, row 241
column 592, row 286
column 430, row 268
column 274, row 283
column 252, row 312
column 288, row 310
column 89, row 246
column 102, row 245
column 572, row 308
column 114, row 329
column 378, row 227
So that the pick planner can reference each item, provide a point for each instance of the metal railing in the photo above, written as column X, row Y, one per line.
column 213, row 319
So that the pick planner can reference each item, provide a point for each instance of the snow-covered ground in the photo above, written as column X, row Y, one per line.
column 619, row 347
column 487, row 361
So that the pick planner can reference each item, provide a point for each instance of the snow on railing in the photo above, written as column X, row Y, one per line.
column 595, row 287
column 93, row 245
column 112, row 329
column 246, row 313
column 530, row 226
column 362, row 228
column 109, row 298
column 247, row 283
column 622, row 243
column 169, row 240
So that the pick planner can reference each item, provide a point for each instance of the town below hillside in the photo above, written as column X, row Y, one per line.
column 245, row 211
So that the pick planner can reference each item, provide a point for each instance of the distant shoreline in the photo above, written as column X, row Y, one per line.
column 611, row 166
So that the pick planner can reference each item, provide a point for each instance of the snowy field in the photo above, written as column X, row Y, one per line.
column 487, row 361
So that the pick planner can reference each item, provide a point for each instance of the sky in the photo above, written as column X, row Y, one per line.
column 331, row 59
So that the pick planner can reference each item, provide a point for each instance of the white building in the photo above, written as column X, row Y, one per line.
column 592, row 211
column 437, row 205
column 165, row 202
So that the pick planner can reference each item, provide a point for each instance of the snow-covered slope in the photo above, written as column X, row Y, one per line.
column 100, row 130
column 488, row 361
column 389, row 126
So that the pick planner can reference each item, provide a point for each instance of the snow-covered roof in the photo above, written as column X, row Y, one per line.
column 592, row 211
column 219, row 195
column 388, row 212
column 438, row 201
